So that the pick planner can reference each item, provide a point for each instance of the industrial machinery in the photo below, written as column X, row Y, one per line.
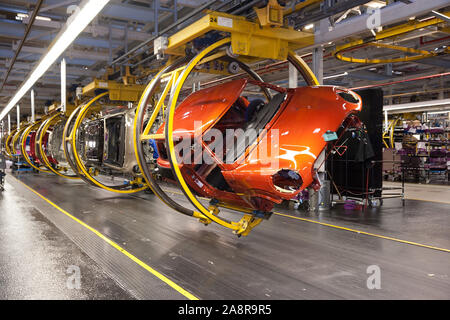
column 98, row 137
column 14, row 150
column 295, row 123
column 28, row 146
column 41, row 143
column 243, row 152
column 8, row 143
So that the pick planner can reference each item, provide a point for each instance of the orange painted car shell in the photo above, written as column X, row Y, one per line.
column 305, row 116
column 295, row 134
column 204, row 107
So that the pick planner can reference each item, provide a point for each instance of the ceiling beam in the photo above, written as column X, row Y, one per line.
column 71, row 53
column 390, row 14
column 96, row 30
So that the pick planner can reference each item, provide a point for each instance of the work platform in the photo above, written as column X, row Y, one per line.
column 139, row 248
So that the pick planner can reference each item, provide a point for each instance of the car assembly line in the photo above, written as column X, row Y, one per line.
column 223, row 117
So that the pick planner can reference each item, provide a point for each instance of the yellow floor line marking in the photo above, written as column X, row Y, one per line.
column 119, row 248
column 347, row 229
column 363, row 232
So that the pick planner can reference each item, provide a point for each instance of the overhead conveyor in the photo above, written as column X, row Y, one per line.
column 28, row 146
column 97, row 136
column 123, row 136
column 386, row 39
column 238, row 41
column 49, row 142
column 8, row 141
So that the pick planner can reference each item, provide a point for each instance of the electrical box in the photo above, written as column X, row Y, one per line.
column 159, row 46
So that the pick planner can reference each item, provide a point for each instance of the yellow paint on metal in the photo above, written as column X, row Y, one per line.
column 247, row 38
column 300, row 6
column 419, row 54
column 231, row 225
column 152, row 136
column 17, row 135
column 51, row 120
column 408, row 27
column 305, row 70
column 270, row 15
column 391, row 136
column 8, row 140
column 173, row 76
column 117, row 91
column 388, row 33
column 159, row 105
column 83, row 111
column 24, row 152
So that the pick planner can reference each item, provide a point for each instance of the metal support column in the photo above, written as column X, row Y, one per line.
column 389, row 69
column 33, row 116
column 317, row 63
column 441, row 83
column 320, row 199
column 63, row 85
column 386, row 123
column 390, row 96
column 110, row 43
column 317, row 68
column 293, row 76
column 18, row 117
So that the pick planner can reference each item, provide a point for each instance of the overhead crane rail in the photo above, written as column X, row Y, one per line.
column 412, row 54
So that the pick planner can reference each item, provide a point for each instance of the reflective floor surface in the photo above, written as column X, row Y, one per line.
column 159, row 254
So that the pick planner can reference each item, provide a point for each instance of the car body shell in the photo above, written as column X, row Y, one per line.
column 292, row 140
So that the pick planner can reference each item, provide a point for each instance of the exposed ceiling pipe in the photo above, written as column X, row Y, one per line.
column 416, row 92
column 126, row 55
column 406, row 80
column 30, row 23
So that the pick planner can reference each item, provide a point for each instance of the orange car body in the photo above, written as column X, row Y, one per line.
column 289, row 141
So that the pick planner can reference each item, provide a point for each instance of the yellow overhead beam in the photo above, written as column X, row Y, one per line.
column 117, row 91
column 247, row 38
column 300, row 6
column 389, row 33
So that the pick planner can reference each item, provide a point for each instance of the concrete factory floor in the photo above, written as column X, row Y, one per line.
column 136, row 247
column 424, row 192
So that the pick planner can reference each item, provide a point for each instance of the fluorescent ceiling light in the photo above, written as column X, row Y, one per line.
column 376, row 4
column 308, row 26
column 74, row 26
column 336, row 76
column 21, row 16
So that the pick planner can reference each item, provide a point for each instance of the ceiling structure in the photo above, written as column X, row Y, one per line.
column 124, row 24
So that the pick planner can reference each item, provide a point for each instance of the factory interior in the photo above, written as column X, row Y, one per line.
column 225, row 150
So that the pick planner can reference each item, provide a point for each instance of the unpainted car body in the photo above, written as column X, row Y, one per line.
column 108, row 142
